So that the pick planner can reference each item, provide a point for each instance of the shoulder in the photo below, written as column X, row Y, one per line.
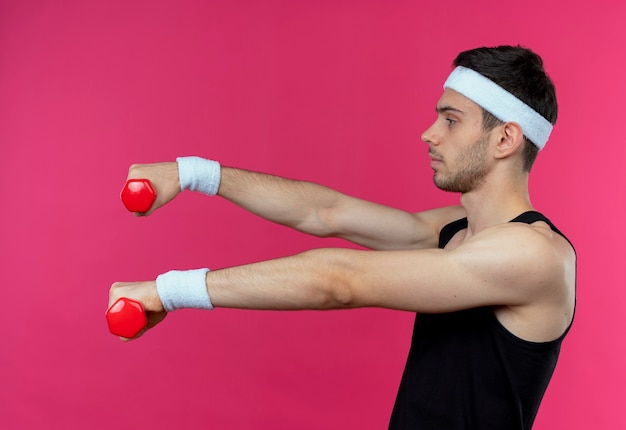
column 535, row 241
column 538, row 239
column 524, row 255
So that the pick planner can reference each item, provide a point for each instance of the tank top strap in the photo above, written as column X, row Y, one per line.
column 449, row 230
column 534, row 216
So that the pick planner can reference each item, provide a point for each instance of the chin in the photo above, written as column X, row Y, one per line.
column 450, row 187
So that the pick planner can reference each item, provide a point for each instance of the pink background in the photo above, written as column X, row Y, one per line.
column 336, row 92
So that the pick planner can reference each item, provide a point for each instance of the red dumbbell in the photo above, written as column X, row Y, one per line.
column 138, row 195
column 126, row 318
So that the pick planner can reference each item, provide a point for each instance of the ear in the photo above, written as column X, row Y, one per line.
column 510, row 136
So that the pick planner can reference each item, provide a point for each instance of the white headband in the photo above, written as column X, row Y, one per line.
column 500, row 103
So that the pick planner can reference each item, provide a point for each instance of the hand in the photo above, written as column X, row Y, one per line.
column 164, row 179
column 144, row 293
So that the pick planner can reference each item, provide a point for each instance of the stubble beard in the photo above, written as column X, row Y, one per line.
column 472, row 169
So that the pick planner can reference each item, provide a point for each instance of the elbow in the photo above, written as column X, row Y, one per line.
column 340, row 294
column 335, row 283
column 320, row 222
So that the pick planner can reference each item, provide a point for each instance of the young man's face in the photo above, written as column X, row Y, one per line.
column 459, row 146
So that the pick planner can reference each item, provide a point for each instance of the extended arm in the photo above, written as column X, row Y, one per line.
column 491, row 269
column 312, row 208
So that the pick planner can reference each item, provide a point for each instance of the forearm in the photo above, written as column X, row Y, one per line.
column 297, row 204
column 310, row 280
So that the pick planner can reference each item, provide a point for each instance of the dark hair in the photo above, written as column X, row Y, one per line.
column 519, row 71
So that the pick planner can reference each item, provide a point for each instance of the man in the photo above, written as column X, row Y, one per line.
column 492, row 281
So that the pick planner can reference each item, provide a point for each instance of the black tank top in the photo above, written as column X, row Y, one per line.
column 466, row 371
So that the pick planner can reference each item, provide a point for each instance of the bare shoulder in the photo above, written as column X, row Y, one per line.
column 538, row 240
column 534, row 250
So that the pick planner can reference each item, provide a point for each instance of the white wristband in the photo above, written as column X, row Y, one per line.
column 179, row 289
column 199, row 174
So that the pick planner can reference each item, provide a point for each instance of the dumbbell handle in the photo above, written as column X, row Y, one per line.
column 138, row 195
column 126, row 318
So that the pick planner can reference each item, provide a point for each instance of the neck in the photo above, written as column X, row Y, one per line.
column 496, row 201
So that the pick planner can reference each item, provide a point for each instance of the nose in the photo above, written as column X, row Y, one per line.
column 429, row 136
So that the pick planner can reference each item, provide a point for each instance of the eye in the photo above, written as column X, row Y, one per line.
column 451, row 121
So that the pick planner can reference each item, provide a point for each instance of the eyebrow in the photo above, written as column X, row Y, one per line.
column 442, row 109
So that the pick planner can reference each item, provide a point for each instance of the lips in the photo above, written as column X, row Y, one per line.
column 436, row 160
column 435, row 157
